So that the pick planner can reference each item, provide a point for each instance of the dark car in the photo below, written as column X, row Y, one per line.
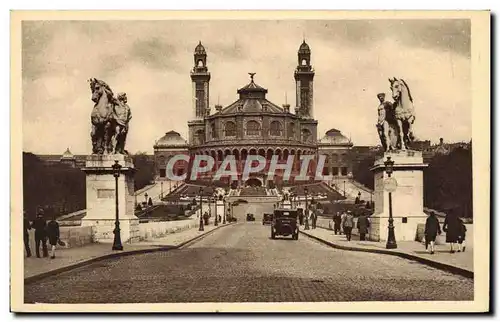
column 250, row 217
column 267, row 219
column 285, row 223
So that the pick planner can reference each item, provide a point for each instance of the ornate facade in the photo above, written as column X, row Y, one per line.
column 253, row 125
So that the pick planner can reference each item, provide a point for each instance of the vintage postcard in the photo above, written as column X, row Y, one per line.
column 271, row 161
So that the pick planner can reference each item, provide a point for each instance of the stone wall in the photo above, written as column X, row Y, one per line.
column 153, row 230
column 74, row 236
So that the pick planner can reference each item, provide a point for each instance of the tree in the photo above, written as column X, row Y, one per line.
column 145, row 170
column 58, row 188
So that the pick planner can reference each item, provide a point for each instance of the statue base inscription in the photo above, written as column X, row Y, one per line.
column 101, row 198
column 407, row 196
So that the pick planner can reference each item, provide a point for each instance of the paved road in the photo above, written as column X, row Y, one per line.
column 240, row 263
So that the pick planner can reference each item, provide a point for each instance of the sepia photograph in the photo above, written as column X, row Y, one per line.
column 273, row 161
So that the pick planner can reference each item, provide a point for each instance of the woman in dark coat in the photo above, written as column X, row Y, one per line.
column 53, row 235
column 432, row 229
column 453, row 227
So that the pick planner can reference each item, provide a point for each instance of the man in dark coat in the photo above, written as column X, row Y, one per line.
column 452, row 226
column 40, row 234
column 337, row 219
column 27, row 227
column 432, row 229
column 461, row 237
column 363, row 225
column 53, row 235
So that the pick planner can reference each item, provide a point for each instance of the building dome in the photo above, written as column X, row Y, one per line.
column 67, row 155
column 171, row 139
column 334, row 136
column 200, row 50
column 304, row 48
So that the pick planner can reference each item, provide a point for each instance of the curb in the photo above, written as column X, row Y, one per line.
column 153, row 248
column 442, row 266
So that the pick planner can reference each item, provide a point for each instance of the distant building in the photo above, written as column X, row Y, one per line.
column 169, row 145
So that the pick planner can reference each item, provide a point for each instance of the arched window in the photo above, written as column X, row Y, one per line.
column 276, row 128
column 304, row 62
column 161, row 160
column 291, row 130
column 200, row 63
column 253, row 128
column 306, row 135
column 200, row 137
column 230, row 129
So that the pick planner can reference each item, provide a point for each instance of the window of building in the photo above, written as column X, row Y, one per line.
column 230, row 129
column 163, row 173
column 161, row 160
column 276, row 128
column 200, row 136
column 306, row 135
column 213, row 129
column 291, row 130
column 344, row 171
column 335, row 171
column 253, row 128
column 326, row 171
column 335, row 158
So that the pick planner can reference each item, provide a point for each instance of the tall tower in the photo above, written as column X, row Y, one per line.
column 201, row 79
column 304, row 75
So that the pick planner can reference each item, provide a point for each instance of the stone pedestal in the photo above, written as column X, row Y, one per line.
column 101, row 198
column 407, row 199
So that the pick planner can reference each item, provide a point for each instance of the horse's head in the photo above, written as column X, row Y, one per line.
column 98, row 87
column 396, row 87
column 400, row 89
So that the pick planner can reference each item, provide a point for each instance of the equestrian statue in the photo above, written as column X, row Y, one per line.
column 109, row 118
column 395, row 120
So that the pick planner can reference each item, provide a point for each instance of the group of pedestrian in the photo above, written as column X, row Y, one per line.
column 43, row 231
column 454, row 228
column 343, row 224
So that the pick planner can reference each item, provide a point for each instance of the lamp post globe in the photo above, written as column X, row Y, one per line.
column 117, row 241
column 391, row 238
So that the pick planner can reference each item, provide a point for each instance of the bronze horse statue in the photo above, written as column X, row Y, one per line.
column 103, row 129
column 404, row 111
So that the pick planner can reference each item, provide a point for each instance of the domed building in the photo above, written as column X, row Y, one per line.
column 68, row 158
column 252, row 125
column 336, row 147
column 172, row 143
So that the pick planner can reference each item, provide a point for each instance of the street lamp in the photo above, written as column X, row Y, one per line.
column 146, row 197
column 344, row 188
column 216, row 222
column 117, row 242
column 306, row 211
column 161, row 189
column 391, row 239
column 201, row 210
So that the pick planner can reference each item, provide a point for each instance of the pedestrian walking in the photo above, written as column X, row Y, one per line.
column 342, row 220
column 40, row 233
column 301, row 216
column 27, row 228
column 461, row 237
column 348, row 224
column 431, row 230
column 53, row 236
column 363, row 225
column 337, row 220
column 452, row 226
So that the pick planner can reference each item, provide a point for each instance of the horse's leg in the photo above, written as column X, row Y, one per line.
column 401, row 134
column 93, row 138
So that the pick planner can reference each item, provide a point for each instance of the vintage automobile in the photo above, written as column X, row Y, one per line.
column 285, row 223
column 250, row 217
column 267, row 219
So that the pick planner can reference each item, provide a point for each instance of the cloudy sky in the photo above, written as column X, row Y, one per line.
column 151, row 61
